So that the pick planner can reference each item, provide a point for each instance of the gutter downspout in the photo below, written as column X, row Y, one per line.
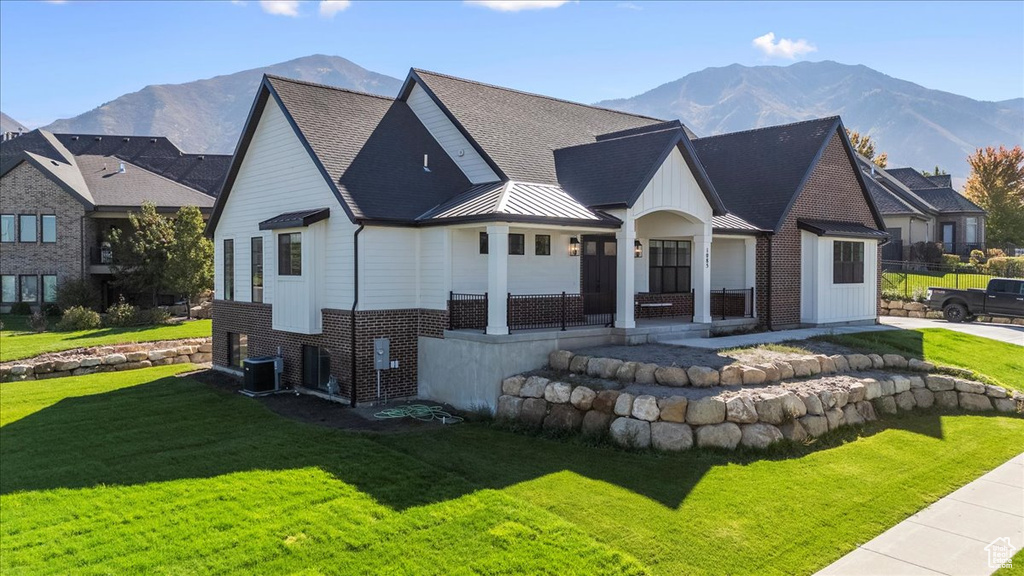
column 355, row 303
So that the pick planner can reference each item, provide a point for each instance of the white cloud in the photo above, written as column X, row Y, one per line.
column 517, row 5
column 280, row 7
column 328, row 8
column 784, row 47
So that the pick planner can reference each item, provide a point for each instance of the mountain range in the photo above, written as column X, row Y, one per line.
column 8, row 124
column 915, row 125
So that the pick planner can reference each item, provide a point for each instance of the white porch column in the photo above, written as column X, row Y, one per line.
column 625, row 274
column 701, row 268
column 497, row 279
column 750, row 269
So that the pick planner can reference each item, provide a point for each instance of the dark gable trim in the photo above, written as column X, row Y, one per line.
column 403, row 95
column 696, row 168
column 251, row 123
column 837, row 128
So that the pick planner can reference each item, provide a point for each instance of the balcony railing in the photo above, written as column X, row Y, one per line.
column 100, row 256
column 467, row 311
column 533, row 311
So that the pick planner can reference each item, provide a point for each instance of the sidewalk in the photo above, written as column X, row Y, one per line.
column 950, row 536
column 744, row 340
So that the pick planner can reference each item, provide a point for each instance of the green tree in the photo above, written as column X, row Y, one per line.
column 996, row 184
column 937, row 172
column 190, row 256
column 140, row 254
column 864, row 146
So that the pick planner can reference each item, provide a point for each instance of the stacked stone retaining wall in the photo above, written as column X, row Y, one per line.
column 919, row 310
column 109, row 359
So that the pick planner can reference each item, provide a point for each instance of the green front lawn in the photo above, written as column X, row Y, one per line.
column 909, row 282
column 1001, row 362
column 145, row 472
column 18, row 341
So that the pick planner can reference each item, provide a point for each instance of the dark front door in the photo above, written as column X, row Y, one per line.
column 598, row 261
column 948, row 237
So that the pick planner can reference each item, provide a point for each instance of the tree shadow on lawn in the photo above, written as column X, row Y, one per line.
column 177, row 428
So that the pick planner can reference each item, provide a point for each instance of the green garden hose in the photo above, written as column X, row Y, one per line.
column 420, row 412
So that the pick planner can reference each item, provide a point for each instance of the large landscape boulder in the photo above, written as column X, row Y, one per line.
column 631, row 433
column 560, row 359
column 623, row 405
column 770, row 409
column 741, row 410
column 563, row 418
column 533, row 412
column 578, row 364
column 702, row 376
column 627, row 372
column 905, row 400
column 671, row 376
column 605, row 401
column 671, row 436
column 673, row 409
column 534, row 387
column 512, row 385
column 814, row 425
column 508, row 408
column 923, row 397
column 726, row 435
column 595, row 424
column 851, row 416
column 974, row 402
column 707, row 410
column 947, row 399
column 793, row 430
column 582, row 398
column 557, row 392
column 940, row 382
column 753, row 376
column 730, row 375
column 645, row 374
column 759, row 435
column 645, row 407
column 603, row 367
column 885, row 405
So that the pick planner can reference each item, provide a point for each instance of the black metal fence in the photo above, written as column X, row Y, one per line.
column 736, row 303
column 467, row 311
column 534, row 311
column 913, row 279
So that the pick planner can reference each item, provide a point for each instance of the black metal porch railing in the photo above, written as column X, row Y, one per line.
column 467, row 311
column 535, row 311
column 736, row 303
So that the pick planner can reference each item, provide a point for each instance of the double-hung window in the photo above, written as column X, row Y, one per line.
column 542, row 245
column 29, row 288
column 289, row 254
column 229, row 269
column 8, row 288
column 669, row 266
column 49, row 226
column 257, row 268
column 27, row 228
column 847, row 262
column 7, row 227
column 517, row 244
column 49, row 288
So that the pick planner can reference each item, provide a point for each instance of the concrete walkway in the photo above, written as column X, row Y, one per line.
column 743, row 340
column 1003, row 332
column 950, row 536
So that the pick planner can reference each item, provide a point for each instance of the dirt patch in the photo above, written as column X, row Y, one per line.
column 667, row 355
column 313, row 410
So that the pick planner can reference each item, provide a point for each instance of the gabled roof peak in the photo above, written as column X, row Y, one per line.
column 822, row 120
column 532, row 94
column 326, row 86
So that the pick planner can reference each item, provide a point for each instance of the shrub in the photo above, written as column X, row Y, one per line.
column 38, row 322
column 80, row 292
column 78, row 318
column 995, row 253
column 153, row 316
column 919, row 295
column 966, row 268
column 977, row 257
column 950, row 262
column 122, row 314
column 1011, row 267
column 52, row 310
column 21, row 309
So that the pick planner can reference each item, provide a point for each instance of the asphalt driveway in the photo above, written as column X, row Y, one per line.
column 1002, row 332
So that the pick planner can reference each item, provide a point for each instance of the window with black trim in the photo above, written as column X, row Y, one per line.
column 28, row 289
column 8, row 288
column 27, row 228
column 847, row 262
column 229, row 269
column 49, row 228
column 289, row 254
column 238, row 348
column 49, row 288
column 6, row 227
column 542, row 245
column 517, row 244
column 483, row 243
column 669, row 271
column 257, row 268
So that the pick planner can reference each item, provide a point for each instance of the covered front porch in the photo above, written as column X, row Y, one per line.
column 659, row 272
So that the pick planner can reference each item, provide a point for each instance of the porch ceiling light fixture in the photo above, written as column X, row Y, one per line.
column 574, row 246
column 638, row 249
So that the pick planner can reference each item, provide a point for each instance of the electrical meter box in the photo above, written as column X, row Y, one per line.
column 381, row 353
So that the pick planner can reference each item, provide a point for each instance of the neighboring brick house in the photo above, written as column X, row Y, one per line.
column 476, row 228
column 919, row 208
column 60, row 194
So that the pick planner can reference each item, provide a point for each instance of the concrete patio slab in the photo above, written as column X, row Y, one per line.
column 744, row 340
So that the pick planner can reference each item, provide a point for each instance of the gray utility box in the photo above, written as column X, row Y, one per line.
column 381, row 353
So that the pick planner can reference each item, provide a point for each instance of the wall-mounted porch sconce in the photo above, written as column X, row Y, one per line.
column 638, row 249
column 574, row 246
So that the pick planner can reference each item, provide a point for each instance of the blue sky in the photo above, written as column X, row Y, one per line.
column 59, row 59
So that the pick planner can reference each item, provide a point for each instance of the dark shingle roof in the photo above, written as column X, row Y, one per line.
column 758, row 172
column 886, row 201
column 135, row 185
column 518, row 130
column 910, row 178
column 614, row 172
column 947, row 200
column 837, row 228
column 941, row 180
column 372, row 149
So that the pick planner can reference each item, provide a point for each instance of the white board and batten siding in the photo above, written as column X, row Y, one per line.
column 449, row 137
column 277, row 175
column 824, row 302
column 728, row 265
column 674, row 188
column 528, row 273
